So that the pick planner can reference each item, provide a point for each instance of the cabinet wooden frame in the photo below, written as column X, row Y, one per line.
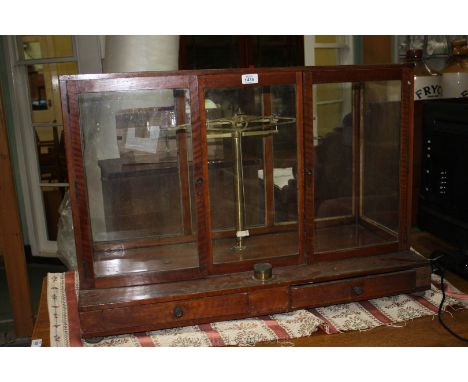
column 266, row 78
column 157, row 297
column 356, row 75
column 78, row 193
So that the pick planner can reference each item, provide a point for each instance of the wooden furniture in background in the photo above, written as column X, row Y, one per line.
column 220, row 52
column 11, row 242
column 377, row 50
column 191, row 266
column 41, row 328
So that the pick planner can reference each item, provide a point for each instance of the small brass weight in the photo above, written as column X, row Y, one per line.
column 263, row 271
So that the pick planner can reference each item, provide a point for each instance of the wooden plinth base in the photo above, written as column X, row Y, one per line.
column 223, row 297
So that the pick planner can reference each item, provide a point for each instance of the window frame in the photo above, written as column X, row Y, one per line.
column 345, row 57
column 87, row 55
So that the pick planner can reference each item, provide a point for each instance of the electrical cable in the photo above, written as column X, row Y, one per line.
column 441, row 311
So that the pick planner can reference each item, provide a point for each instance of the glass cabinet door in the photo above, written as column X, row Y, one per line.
column 356, row 153
column 138, row 167
column 252, row 134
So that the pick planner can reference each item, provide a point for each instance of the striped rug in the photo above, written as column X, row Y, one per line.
column 65, row 326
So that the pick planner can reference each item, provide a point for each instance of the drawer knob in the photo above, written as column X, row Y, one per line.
column 357, row 290
column 178, row 312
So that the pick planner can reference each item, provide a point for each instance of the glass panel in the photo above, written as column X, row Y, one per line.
column 381, row 151
column 39, row 47
column 52, row 197
column 44, row 90
column 333, row 172
column 138, row 157
column 251, row 134
column 51, row 154
column 284, row 155
column 356, row 187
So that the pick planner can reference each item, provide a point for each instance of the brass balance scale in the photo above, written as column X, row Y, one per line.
column 235, row 127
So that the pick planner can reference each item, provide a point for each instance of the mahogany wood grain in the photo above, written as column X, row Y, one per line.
column 11, row 239
column 93, row 299
column 234, row 79
column 406, row 165
column 308, row 171
column 147, row 277
column 77, row 180
column 395, row 68
column 300, row 166
column 267, row 301
column 164, row 315
column 356, row 289
column 200, row 174
column 222, row 306
column 110, row 84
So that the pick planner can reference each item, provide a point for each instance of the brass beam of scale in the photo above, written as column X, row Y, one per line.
column 236, row 127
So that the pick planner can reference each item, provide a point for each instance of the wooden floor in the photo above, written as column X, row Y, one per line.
column 425, row 331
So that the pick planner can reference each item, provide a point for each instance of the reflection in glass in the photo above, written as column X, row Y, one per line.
column 131, row 161
column 333, row 131
column 51, row 154
column 357, row 165
column 138, row 162
column 381, row 150
column 252, row 154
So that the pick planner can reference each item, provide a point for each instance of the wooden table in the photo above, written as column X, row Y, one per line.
column 424, row 331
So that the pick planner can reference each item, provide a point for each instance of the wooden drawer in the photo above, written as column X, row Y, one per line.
column 355, row 289
column 162, row 315
column 268, row 301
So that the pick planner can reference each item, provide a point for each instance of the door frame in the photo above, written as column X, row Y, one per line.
column 88, row 55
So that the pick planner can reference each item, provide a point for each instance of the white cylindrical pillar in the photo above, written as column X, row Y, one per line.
column 141, row 53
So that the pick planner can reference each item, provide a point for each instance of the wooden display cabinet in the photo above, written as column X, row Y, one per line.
column 200, row 196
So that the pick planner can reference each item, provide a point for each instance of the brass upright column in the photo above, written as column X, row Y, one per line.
column 236, row 127
column 239, row 190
